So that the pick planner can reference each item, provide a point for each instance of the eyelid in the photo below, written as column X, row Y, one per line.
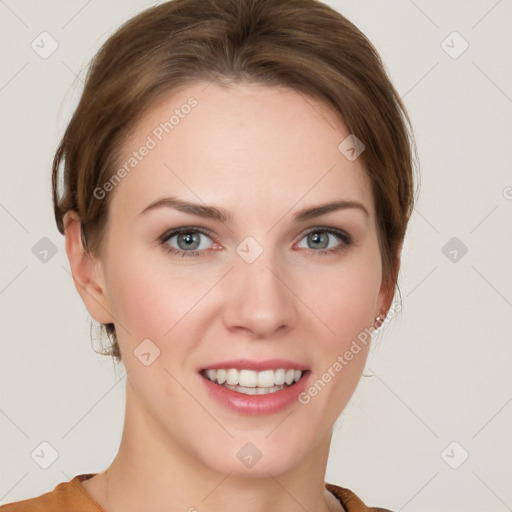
column 185, row 229
column 341, row 233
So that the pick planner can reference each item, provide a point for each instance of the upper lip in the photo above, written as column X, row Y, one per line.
column 258, row 366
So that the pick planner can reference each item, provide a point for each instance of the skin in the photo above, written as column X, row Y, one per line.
column 262, row 153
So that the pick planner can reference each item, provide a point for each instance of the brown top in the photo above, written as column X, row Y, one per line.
column 73, row 497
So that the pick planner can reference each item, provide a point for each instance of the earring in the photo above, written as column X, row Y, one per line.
column 379, row 320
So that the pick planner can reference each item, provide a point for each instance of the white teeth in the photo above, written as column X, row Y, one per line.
column 222, row 375
column 251, row 379
column 254, row 391
column 265, row 379
column 232, row 377
column 279, row 376
column 248, row 379
column 212, row 374
column 290, row 374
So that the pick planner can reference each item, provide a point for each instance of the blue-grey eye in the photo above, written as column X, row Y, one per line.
column 322, row 239
column 189, row 240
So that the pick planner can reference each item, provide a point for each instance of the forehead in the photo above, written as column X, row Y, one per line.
column 246, row 145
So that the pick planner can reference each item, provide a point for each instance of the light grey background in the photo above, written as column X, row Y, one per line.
column 441, row 370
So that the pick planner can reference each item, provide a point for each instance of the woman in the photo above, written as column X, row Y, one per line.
column 236, row 189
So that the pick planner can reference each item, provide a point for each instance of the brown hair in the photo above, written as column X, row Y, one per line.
column 302, row 44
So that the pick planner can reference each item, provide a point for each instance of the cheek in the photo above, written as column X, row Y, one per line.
column 137, row 299
column 150, row 295
column 344, row 298
column 346, row 306
column 349, row 307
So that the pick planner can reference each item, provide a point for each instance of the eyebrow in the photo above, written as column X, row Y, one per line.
column 224, row 216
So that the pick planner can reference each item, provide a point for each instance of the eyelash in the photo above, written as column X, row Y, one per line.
column 343, row 237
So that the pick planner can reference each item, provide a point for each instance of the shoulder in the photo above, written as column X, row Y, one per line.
column 66, row 497
column 350, row 501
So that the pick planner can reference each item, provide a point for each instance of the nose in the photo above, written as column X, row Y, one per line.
column 261, row 301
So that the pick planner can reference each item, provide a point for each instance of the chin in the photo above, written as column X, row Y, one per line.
column 256, row 459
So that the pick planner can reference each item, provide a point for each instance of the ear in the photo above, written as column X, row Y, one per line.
column 387, row 293
column 87, row 272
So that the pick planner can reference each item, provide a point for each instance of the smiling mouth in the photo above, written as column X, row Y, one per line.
column 249, row 382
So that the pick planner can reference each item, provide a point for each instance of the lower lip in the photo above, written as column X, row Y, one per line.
column 256, row 404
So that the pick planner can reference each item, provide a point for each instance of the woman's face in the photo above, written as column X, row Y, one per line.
column 263, row 284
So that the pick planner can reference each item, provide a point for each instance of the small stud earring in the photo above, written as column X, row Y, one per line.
column 379, row 320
